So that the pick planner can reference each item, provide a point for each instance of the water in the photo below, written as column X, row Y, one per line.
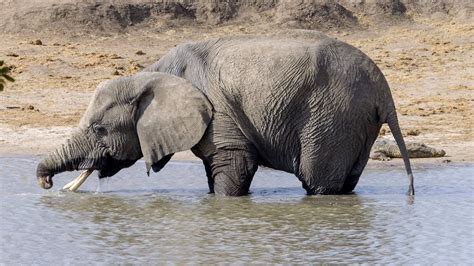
column 169, row 217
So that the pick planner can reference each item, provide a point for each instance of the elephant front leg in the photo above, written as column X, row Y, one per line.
column 210, row 179
column 229, row 158
column 233, row 171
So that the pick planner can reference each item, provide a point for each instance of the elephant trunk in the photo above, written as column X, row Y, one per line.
column 74, row 155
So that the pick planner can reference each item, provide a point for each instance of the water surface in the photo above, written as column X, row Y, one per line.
column 169, row 217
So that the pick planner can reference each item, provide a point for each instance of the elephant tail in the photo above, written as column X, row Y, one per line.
column 392, row 121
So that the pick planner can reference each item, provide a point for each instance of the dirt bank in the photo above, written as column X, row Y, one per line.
column 109, row 17
column 425, row 55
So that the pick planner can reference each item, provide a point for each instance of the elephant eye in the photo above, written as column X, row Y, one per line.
column 100, row 130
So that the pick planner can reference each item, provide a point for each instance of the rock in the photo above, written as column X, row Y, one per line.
column 215, row 12
column 30, row 107
column 379, row 156
column 139, row 52
column 376, row 8
column 36, row 42
column 406, row 58
column 116, row 73
column 115, row 56
column 135, row 66
column 413, row 132
column 385, row 149
column 12, row 54
column 313, row 14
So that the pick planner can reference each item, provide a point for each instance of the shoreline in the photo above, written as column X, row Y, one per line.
column 50, row 138
column 394, row 164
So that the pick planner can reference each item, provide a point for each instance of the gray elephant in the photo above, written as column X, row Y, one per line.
column 302, row 103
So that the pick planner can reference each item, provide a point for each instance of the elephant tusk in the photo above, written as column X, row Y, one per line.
column 77, row 182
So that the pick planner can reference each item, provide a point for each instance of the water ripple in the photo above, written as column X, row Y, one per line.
column 171, row 218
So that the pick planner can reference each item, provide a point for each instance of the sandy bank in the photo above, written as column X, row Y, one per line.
column 427, row 61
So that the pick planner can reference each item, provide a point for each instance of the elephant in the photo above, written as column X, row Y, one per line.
column 303, row 103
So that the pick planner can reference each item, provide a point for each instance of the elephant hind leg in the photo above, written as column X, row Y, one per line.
column 353, row 177
column 318, row 178
column 328, row 174
column 350, row 183
column 333, row 177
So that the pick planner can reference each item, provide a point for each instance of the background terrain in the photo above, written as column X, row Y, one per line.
column 61, row 50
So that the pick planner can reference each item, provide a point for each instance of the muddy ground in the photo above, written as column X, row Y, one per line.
column 427, row 60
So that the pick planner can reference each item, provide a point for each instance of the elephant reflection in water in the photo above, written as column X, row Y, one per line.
column 252, row 227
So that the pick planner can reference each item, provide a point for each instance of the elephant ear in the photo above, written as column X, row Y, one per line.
column 172, row 116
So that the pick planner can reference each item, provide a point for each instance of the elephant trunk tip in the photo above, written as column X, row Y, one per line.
column 44, row 177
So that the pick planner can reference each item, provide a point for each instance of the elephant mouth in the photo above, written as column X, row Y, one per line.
column 110, row 166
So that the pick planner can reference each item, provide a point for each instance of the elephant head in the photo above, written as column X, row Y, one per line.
column 150, row 115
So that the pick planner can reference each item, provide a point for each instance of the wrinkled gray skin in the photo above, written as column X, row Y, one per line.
column 304, row 103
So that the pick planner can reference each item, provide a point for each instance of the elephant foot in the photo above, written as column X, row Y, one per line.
column 227, row 186
column 323, row 191
column 233, row 171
